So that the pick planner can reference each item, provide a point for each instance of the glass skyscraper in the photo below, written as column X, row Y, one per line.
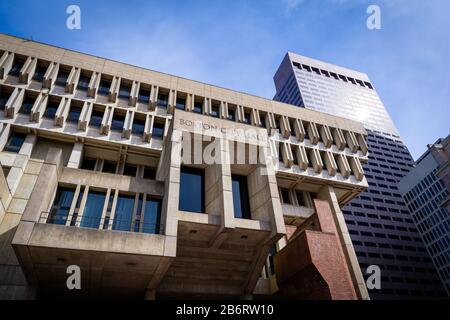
column 379, row 222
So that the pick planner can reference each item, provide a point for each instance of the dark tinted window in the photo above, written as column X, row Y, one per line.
column 144, row 95
column 158, row 129
column 109, row 167
column 240, row 197
column 88, row 164
column 124, row 91
column 152, row 216
column 104, row 86
column 215, row 111
column 138, row 126
column 15, row 142
column 61, row 79
column 149, row 173
column 61, row 206
column 74, row 114
column 198, row 107
column 162, row 100
column 192, row 190
column 39, row 73
column 83, row 83
column 96, row 118
column 129, row 170
column 117, row 122
column 181, row 103
column 124, row 213
column 50, row 111
column 285, row 196
column 27, row 105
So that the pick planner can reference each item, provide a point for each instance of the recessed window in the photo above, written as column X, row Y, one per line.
column 118, row 121
column 96, row 117
column 215, row 111
column 15, row 142
column 83, row 82
column 152, row 216
column 262, row 120
column 192, row 190
column 198, row 107
column 231, row 114
column 52, row 107
column 88, row 164
column 27, row 104
column 158, row 129
column 300, row 198
column 162, row 100
column 129, row 170
column 124, row 212
column 17, row 65
column 103, row 88
column 181, row 103
column 93, row 209
column 240, row 197
column 149, row 173
column 138, row 126
column 62, row 77
column 285, row 196
column 294, row 155
column 74, row 114
column 39, row 73
column 61, row 206
column 124, row 91
column 246, row 117
column 4, row 97
column 109, row 166
column 144, row 95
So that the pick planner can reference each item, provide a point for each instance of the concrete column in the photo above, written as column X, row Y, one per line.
column 62, row 112
column 6, row 62
column 27, row 71
column 339, row 138
column 299, row 130
column 50, row 75
column 93, row 84
column 313, row 133
column 76, row 155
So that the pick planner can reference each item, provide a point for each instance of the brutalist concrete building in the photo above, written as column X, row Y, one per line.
column 156, row 186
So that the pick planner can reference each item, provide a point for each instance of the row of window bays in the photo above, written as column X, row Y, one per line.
column 169, row 99
column 82, row 113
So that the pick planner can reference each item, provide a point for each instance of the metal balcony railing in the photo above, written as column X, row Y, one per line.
column 105, row 223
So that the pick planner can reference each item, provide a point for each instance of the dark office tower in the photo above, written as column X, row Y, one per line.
column 380, row 225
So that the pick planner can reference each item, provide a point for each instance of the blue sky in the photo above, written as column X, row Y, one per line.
column 239, row 45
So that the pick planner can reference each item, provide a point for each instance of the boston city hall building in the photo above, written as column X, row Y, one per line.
column 153, row 186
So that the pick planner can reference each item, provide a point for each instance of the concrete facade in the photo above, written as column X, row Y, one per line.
column 92, row 155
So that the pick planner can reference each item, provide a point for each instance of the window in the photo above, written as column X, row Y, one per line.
column 27, row 105
column 39, row 73
column 231, row 114
column 162, row 100
column 52, row 107
column 158, row 129
column 88, row 164
column 124, row 91
column 138, row 124
column 149, row 173
column 285, row 196
column 215, row 111
column 15, row 142
column 103, row 88
column 83, row 82
column 129, row 170
column 192, row 190
column 152, row 216
column 246, row 117
column 300, row 198
column 240, row 197
column 262, row 120
column 144, row 95
column 198, row 107
column 96, row 118
column 181, row 103
column 118, row 121
column 61, row 206
column 124, row 212
column 62, row 77
column 17, row 65
column 93, row 209
column 109, row 166
column 74, row 114
column 4, row 97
